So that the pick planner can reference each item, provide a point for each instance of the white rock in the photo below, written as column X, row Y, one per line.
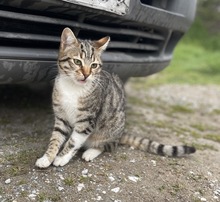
column 116, row 189
column 191, row 172
column 34, row 192
column 132, row 161
column 203, row 199
column 111, row 178
column 60, row 188
column 154, row 162
column 85, row 171
column 61, row 177
column 32, row 196
column 209, row 173
column 133, row 178
column 89, row 175
column 8, row 181
column 80, row 186
column 99, row 198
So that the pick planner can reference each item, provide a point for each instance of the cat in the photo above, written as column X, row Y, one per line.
column 89, row 107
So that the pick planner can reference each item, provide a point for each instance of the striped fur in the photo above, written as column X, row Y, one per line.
column 89, row 107
column 150, row 146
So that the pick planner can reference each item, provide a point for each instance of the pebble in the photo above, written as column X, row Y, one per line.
column 154, row 162
column 132, row 161
column 133, row 178
column 85, row 171
column 99, row 198
column 61, row 177
column 32, row 196
column 80, row 186
column 209, row 173
column 8, row 181
column 111, row 178
column 203, row 199
column 60, row 188
column 116, row 189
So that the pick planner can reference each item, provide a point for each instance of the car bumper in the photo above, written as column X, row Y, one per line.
column 142, row 39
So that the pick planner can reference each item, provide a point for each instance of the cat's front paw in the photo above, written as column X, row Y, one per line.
column 61, row 160
column 43, row 162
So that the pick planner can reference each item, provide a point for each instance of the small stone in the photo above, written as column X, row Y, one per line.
column 34, row 192
column 116, row 189
column 99, row 198
column 60, row 188
column 85, row 171
column 154, row 162
column 209, row 173
column 203, row 199
column 133, row 178
column 104, row 192
column 191, row 172
column 32, row 196
column 8, row 181
column 132, row 161
column 111, row 178
column 80, row 186
column 61, row 176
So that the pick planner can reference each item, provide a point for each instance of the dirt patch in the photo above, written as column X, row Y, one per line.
column 171, row 114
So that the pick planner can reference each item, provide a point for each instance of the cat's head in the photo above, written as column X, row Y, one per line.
column 80, row 60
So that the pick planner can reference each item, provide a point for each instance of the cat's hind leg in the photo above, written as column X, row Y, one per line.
column 92, row 153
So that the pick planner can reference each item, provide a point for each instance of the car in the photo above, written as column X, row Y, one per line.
column 143, row 34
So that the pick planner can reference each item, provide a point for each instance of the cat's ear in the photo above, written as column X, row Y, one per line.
column 67, row 38
column 102, row 43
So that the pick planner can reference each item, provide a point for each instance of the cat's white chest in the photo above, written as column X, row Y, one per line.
column 69, row 99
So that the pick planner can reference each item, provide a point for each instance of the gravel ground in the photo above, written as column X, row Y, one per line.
column 171, row 114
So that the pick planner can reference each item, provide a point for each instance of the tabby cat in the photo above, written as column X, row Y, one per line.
column 89, row 107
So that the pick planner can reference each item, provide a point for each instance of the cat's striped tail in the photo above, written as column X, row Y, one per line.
column 147, row 145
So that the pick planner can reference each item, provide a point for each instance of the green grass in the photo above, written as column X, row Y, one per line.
column 192, row 64
column 214, row 137
column 69, row 181
column 180, row 109
column 196, row 59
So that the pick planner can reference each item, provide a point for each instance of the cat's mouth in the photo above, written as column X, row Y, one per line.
column 82, row 81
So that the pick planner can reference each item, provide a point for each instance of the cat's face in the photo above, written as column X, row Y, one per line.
column 80, row 60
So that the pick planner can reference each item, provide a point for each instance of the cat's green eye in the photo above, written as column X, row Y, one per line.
column 77, row 62
column 94, row 65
